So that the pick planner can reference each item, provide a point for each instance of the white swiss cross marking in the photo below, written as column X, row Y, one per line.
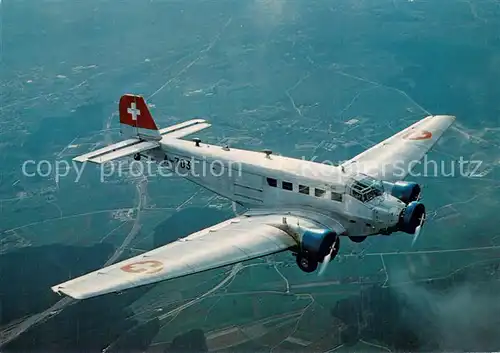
column 133, row 111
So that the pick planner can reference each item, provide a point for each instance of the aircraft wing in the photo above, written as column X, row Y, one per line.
column 238, row 239
column 395, row 157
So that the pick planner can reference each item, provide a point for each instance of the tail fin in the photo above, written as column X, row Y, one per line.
column 135, row 118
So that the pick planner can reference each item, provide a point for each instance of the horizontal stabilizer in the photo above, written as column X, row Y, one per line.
column 137, row 123
column 117, row 150
column 181, row 126
column 107, row 149
column 188, row 130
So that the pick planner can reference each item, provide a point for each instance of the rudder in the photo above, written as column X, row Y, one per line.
column 135, row 118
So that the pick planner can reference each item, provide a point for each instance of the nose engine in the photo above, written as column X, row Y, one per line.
column 412, row 217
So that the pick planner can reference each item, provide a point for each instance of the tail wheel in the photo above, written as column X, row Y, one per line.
column 306, row 263
column 357, row 239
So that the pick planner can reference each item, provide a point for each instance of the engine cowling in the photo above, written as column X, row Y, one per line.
column 315, row 246
column 317, row 242
column 406, row 191
column 411, row 217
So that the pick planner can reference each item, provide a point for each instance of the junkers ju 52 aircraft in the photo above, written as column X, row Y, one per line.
column 295, row 205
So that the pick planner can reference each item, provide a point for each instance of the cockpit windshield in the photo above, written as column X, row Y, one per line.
column 365, row 188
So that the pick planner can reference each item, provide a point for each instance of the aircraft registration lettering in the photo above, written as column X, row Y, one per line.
column 182, row 162
column 417, row 135
column 144, row 267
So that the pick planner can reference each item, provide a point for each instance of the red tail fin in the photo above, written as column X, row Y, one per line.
column 134, row 113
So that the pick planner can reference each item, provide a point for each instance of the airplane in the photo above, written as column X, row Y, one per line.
column 292, row 204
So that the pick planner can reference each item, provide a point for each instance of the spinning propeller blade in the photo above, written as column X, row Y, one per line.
column 326, row 261
column 420, row 193
column 418, row 230
column 324, row 265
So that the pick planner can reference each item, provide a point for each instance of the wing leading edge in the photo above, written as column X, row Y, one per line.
column 395, row 157
column 235, row 240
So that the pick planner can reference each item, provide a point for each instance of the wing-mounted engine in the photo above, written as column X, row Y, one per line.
column 315, row 246
column 406, row 191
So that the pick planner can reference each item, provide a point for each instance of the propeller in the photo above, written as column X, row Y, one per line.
column 327, row 259
column 420, row 193
column 418, row 230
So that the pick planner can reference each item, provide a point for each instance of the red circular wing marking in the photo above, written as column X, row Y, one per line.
column 146, row 267
column 418, row 135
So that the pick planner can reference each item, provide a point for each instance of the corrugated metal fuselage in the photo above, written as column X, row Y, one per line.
column 273, row 183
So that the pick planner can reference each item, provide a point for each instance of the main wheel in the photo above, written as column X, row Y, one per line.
column 306, row 263
column 137, row 157
column 357, row 239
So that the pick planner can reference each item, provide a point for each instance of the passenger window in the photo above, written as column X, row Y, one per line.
column 304, row 189
column 287, row 186
column 336, row 196
column 319, row 192
column 272, row 182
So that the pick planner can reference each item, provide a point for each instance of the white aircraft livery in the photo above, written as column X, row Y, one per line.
column 292, row 205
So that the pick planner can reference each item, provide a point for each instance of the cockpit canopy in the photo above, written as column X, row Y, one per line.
column 364, row 188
